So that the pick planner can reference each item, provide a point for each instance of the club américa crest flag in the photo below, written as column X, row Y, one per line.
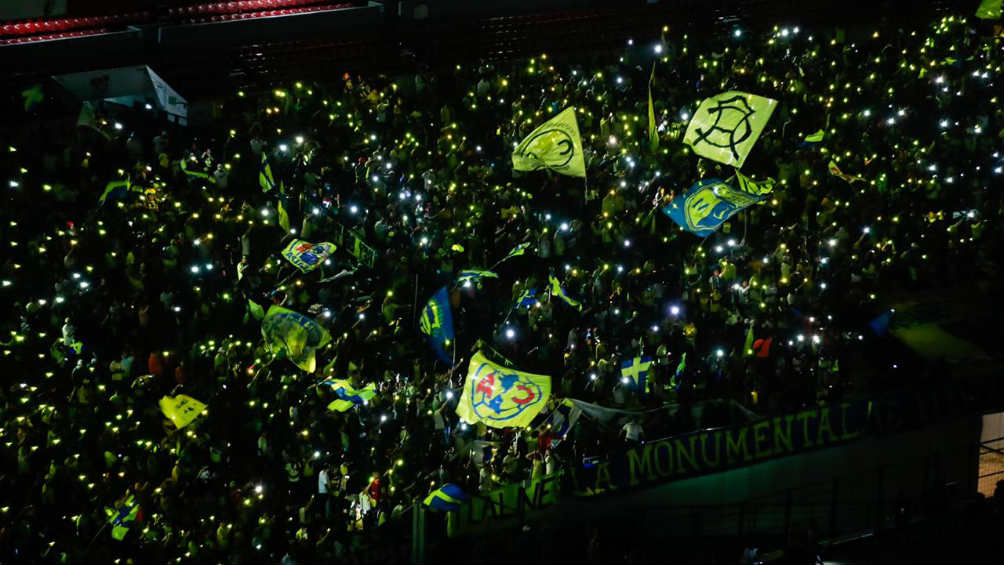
column 554, row 145
column 307, row 256
column 707, row 205
column 726, row 126
column 501, row 397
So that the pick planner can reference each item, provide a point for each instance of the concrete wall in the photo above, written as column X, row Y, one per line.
column 864, row 478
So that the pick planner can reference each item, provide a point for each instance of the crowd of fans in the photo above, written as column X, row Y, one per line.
column 110, row 306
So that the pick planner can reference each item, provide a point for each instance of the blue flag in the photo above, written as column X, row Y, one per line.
column 880, row 325
column 528, row 299
column 634, row 372
column 707, row 205
column 437, row 323
column 347, row 395
column 446, row 498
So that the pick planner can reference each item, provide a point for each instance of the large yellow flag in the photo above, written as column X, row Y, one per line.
column 181, row 409
column 653, row 133
column 296, row 334
column 989, row 10
column 554, row 145
column 501, row 397
column 726, row 126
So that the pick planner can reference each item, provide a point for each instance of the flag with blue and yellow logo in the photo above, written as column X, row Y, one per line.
column 446, row 498
column 634, row 372
column 265, row 178
column 517, row 251
column 181, row 409
column 467, row 277
column 707, row 205
column 307, row 256
column 299, row 336
column 347, row 395
column 123, row 517
column 501, row 397
column 436, row 322
column 559, row 291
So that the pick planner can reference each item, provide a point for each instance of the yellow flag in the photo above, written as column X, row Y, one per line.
column 653, row 134
column 989, row 10
column 181, row 409
column 726, row 126
column 554, row 145
column 501, row 397
column 752, row 186
column 296, row 334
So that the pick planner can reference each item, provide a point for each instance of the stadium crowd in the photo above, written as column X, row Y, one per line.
column 111, row 304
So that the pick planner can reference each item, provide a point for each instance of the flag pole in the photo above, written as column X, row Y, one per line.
column 414, row 304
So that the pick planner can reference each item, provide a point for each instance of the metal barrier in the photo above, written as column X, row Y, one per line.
column 363, row 253
column 991, row 466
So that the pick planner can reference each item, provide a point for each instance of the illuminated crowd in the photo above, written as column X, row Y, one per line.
column 109, row 306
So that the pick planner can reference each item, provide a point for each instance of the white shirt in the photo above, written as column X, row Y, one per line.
column 322, row 482
column 633, row 431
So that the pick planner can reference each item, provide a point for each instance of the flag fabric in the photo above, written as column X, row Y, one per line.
column 195, row 174
column 501, row 397
column 307, row 256
column 558, row 291
column 256, row 310
column 88, row 119
column 746, row 184
column 446, row 498
column 682, row 366
column 813, row 139
column 33, row 95
column 707, row 205
column 762, row 347
column 560, row 420
column 122, row 518
column 347, row 395
column 280, row 206
column 181, row 409
column 726, row 126
column 653, row 134
column 835, row 171
column 748, row 345
column 634, row 372
column 517, row 251
column 299, row 336
column 989, row 10
column 472, row 276
column 265, row 178
column 554, row 145
column 527, row 299
column 116, row 189
column 437, row 323
column 880, row 324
